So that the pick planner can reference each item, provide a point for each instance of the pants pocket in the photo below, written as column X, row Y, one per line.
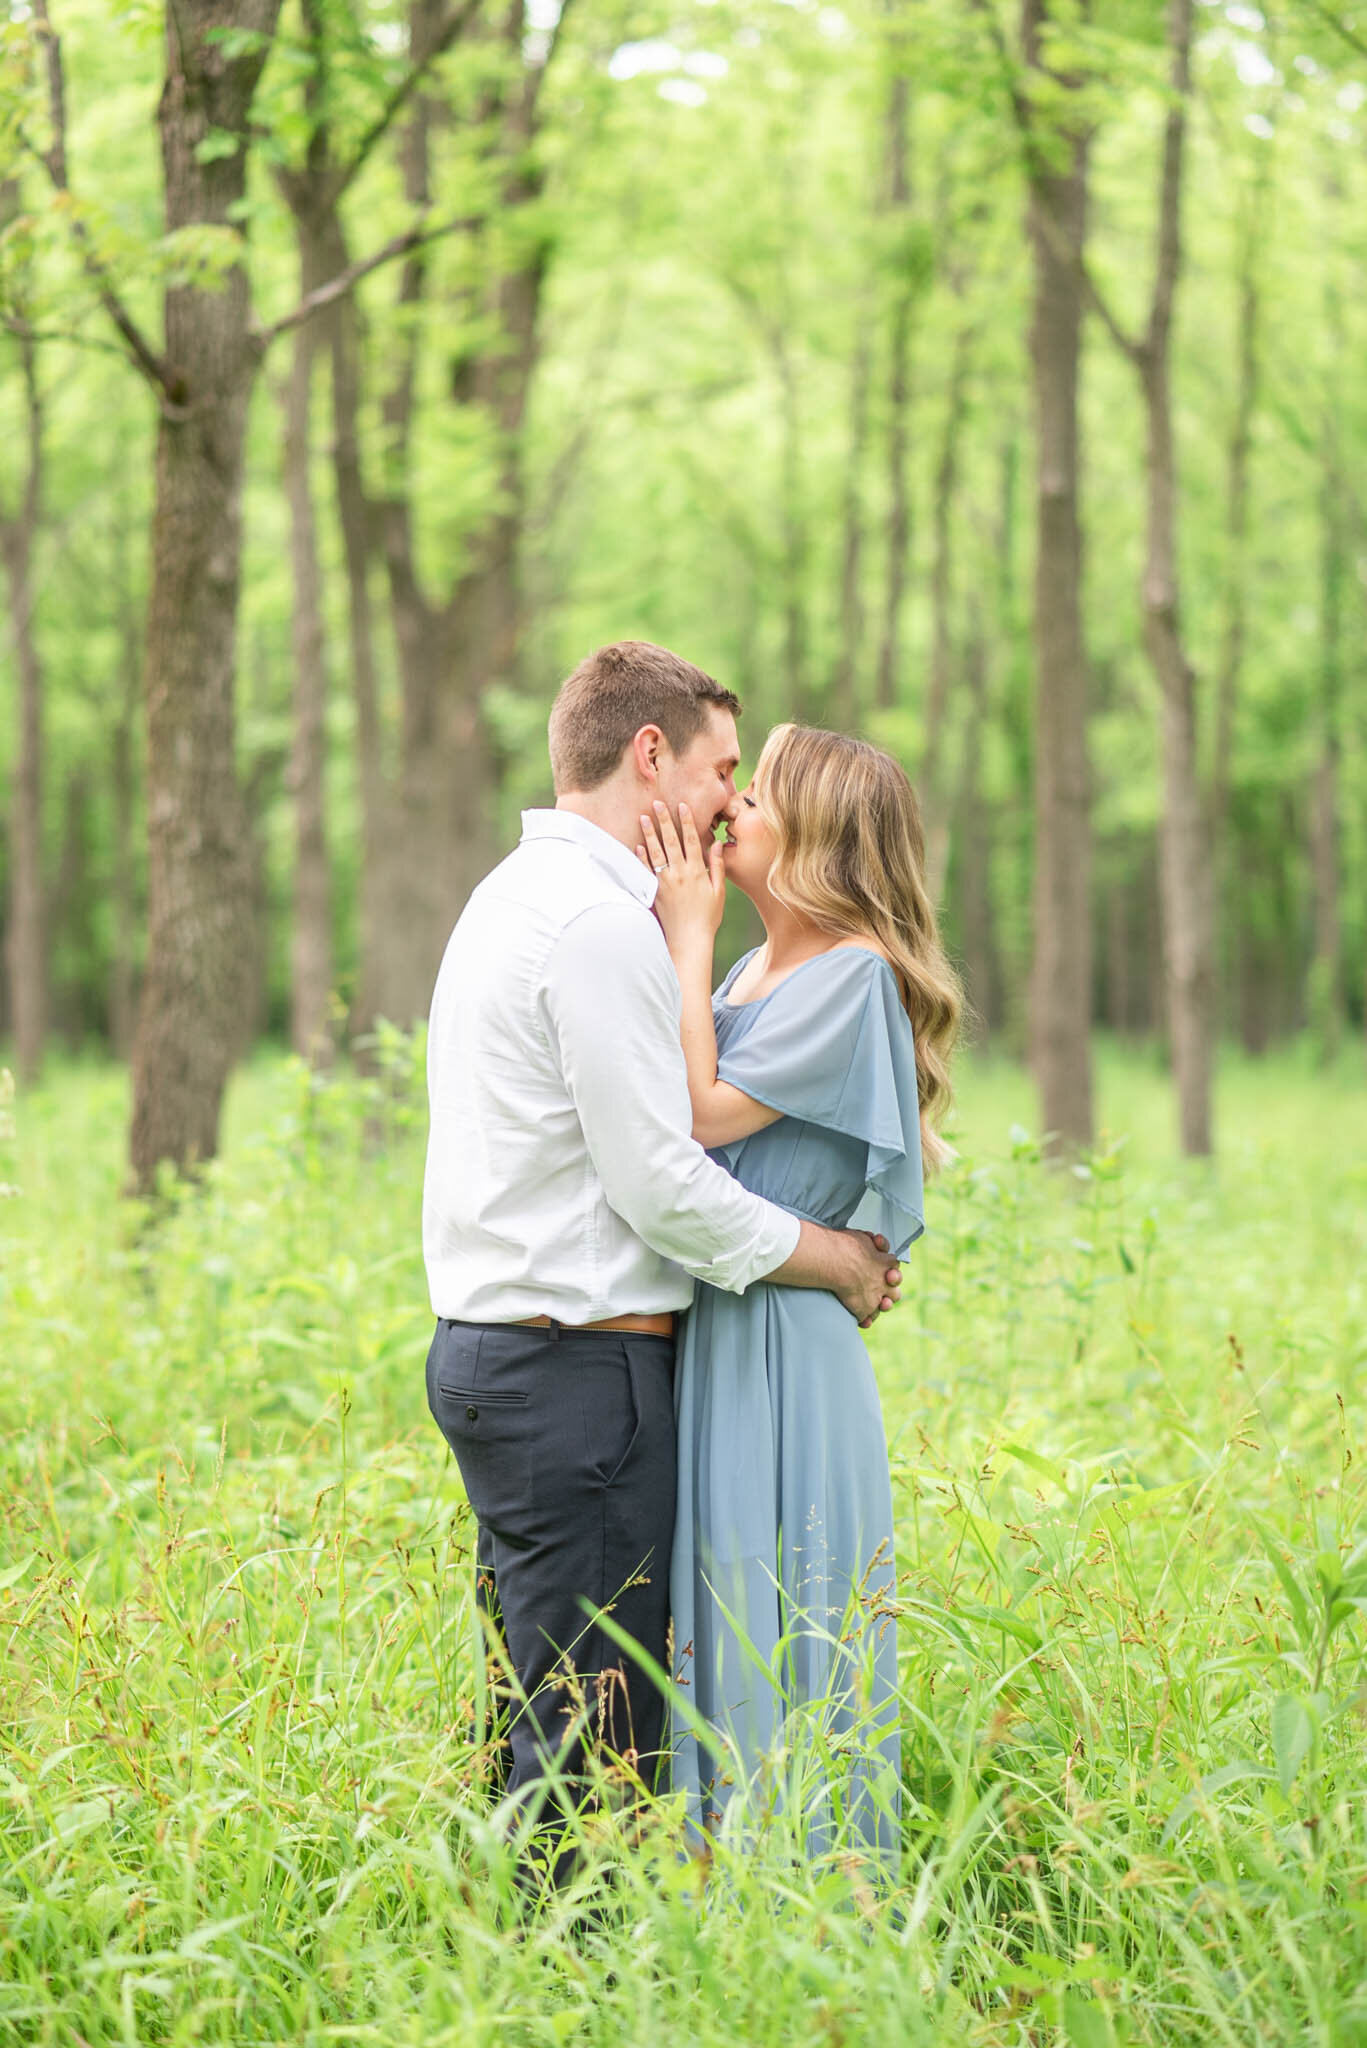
column 482, row 1395
column 612, row 1414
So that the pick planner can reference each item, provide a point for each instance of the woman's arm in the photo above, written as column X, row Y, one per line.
column 689, row 903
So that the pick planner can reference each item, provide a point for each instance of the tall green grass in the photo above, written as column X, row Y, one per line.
column 240, row 1796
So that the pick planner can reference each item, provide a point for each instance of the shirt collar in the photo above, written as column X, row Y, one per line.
column 609, row 853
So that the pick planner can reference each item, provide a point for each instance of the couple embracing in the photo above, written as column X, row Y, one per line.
column 655, row 1220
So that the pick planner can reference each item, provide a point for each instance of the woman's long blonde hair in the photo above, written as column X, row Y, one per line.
column 851, row 860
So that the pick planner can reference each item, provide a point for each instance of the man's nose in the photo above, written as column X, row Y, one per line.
column 731, row 807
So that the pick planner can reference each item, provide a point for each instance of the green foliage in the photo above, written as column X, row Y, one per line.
column 722, row 255
column 240, row 1794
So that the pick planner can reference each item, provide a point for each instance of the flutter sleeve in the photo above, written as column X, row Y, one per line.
column 832, row 1046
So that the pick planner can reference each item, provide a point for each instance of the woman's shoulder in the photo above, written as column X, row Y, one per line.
column 862, row 963
column 863, row 943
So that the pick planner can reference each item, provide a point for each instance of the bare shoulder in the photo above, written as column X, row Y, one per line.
column 863, row 943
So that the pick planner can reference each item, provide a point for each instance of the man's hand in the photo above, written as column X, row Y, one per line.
column 874, row 1284
column 853, row 1265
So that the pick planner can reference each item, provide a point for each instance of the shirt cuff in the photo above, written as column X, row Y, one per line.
column 741, row 1266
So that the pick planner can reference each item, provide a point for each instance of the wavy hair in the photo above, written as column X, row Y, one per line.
column 851, row 861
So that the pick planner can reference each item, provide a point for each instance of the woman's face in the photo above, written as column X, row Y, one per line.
column 750, row 845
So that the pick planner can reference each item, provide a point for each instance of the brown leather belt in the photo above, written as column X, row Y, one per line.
column 640, row 1326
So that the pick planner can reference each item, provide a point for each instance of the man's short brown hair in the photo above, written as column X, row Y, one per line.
column 601, row 707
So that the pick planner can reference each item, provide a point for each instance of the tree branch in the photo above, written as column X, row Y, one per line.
column 1019, row 105
column 1100, row 305
column 337, row 287
column 1038, row 172
column 68, row 337
column 448, row 31
column 153, row 366
column 536, row 74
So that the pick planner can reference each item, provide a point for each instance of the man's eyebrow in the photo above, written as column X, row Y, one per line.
column 731, row 761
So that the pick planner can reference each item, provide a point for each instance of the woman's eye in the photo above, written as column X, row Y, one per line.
column 749, row 802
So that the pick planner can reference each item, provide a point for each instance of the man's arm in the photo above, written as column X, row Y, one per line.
column 611, row 1007
column 850, row 1264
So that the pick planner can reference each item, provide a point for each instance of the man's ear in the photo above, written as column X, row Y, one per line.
column 647, row 745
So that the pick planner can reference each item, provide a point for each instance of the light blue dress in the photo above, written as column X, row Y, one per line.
column 783, row 1571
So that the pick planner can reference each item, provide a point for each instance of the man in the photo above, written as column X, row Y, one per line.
column 567, row 1210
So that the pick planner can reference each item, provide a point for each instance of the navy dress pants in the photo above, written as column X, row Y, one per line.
column 565, row 1441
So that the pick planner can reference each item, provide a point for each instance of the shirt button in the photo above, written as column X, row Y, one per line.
column 472, row 1415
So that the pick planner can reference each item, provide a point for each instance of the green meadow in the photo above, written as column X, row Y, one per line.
column 241, row 1798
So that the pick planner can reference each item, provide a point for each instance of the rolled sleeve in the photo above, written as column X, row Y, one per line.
column 611, row 1002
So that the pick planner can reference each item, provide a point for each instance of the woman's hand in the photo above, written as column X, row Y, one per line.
column 692, row 887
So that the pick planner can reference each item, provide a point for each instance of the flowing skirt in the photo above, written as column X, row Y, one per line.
column 783, row 1583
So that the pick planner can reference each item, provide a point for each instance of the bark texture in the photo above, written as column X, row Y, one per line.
column 1187, row 882
column 313, row 189
column 845, row 707
column 1237, row 456
column 1188, row 894
column 453, row 648
column 972, row 868
column 123, row 774
column 379, row 933
column 1326, row 973
column 899, row 404
column 1061, row 972
column 1326, row 982
column 311, row 936
column 199, row 912
column 27, row 947
column 934, row 791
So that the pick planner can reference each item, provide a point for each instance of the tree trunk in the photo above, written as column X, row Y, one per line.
column 973, row 853
column 794, row 524
column 27, row 950
column 451, row 653
column 1256, row 964
column 375, row 978
column 899, row 402
column 199, row 911
column 1117, row 903
column 1326, row 972
column 1188, row 897
column 1326, row 992
column 773, row 328
column 1236, row 514
column 311, row 939
column 313, row 189
column 845, row 687
column 122, row 1000
column 1236, row 574
column 1149, row 1003
column 934, row 796
column 1061, row 976
column 1188, row 921
column 425, row 828
column 75, row 1014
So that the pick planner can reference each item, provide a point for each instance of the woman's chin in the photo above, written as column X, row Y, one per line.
column 733, row 870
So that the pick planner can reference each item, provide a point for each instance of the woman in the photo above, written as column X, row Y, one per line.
column 816, row 1074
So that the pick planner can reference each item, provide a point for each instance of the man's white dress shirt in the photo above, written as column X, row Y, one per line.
column 561, row 1176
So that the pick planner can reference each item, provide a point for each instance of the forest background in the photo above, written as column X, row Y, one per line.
column 986, row 375
column 989, row 381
